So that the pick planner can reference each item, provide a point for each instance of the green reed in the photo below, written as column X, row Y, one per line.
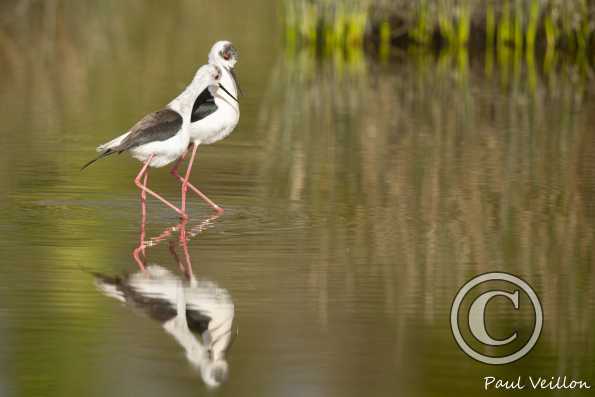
column 519, row 24
column 336, row 24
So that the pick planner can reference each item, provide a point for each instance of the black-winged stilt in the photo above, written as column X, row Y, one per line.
column 214, row 116
column 163, row 136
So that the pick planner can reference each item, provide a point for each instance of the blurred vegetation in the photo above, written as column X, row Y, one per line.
column 523, row 25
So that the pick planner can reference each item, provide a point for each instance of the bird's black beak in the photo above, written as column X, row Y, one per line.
column 235, row 80
column 228, row 93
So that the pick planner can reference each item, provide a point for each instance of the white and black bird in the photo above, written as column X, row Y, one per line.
column 197, row 314
column 163, row 136
column 214, row 114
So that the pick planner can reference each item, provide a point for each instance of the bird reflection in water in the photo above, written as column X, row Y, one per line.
column 197, row 313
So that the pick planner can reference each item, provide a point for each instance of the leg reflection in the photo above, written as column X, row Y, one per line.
column 184, row 237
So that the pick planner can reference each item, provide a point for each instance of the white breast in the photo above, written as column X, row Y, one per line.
column 164, row 152
column 220, row 123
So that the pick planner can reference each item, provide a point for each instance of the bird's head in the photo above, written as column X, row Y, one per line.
column 223, row 53
column 215, row 373
column 213, row 73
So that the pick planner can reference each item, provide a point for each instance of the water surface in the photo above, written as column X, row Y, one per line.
column 359, row 195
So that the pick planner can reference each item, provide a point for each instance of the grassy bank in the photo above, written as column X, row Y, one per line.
column 524, row 25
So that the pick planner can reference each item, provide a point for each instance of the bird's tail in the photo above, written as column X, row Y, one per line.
column 104, row 278
column 103, row 154
column 112, row 286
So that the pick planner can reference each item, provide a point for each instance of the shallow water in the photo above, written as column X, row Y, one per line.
column 360, row 195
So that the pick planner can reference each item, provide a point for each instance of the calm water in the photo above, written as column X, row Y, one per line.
column 360, row 196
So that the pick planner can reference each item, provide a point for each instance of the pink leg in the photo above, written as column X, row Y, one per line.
column 188, row 171
column 184, row 243
column 174, row 171
column 186, row 183
column 140, row 250
column 152, row 193
column 143, row 203
column 172, row 250
column 136, row 255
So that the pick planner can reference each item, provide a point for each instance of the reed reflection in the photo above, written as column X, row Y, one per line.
column 197, row 313
column 433, row 169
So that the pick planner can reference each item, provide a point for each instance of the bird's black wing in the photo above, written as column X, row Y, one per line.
column 203, row 106
column 158, row 308
column 157, row 126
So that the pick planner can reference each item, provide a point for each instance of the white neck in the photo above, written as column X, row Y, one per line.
column 196, row 352
column 228, row 82
column 183, row 103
